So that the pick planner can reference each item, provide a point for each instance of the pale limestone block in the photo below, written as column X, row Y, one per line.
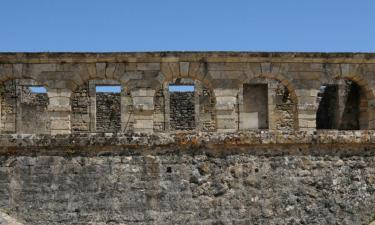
column 345, row 69
column 144, row 124
column 249, row 120
column 143, row 103
column 225, row 102
column 184, row 69
column 140, row 116
column 148, row 66
column 226, row 124
column 223, row 75
column 17, row 69
column 158, row 117
column 266, row 67
column 100, row 69
column 56, row 132
column 143, row 92
column 91, row 69
column 59, row 101
column 60, row 124
column 225, row 92
column 110, row 69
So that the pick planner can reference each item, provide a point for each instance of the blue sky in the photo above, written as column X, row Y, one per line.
column 190, row 25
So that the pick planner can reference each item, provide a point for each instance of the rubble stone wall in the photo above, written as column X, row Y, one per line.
column 74, row 156
column 108, row 112
column 182, row 110
column 174, row 179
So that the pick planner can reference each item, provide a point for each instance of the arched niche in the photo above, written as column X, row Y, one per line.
column 184, row 104
column 343, row 105
column 24, row 105
column 99, row 106
column 267, row 103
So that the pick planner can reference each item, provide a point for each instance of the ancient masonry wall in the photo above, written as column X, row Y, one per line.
column 264, row 138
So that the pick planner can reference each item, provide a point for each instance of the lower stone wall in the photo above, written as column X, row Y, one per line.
column 194, row 186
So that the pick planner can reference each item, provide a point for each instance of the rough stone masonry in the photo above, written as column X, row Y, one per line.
column 263, row 138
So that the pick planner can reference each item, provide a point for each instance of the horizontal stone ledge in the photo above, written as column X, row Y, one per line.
column 200, row 139
column 175, row 56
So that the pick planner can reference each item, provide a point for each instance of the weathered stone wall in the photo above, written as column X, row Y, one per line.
column 8, row 107
column 285, row 109
column 23, row 111
column 80, row 102
column 207, row 114
column 75, row 156
column 32, row 115
column 176, row 179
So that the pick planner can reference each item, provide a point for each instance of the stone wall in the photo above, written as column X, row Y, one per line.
column 8, row 107
column 108, row 112
column 187, row 180
column 80, row 102
column 74, row 156
column 32, row 115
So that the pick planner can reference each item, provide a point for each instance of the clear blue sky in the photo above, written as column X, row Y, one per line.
column 189, row 25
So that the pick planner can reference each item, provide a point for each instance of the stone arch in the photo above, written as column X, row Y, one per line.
column 364, row 98
column 204, row 99
column 290, row 92
column 193, row 70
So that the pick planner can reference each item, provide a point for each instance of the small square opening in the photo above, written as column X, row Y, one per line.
column 108, row 89
column 38, row 89
column 181, row 88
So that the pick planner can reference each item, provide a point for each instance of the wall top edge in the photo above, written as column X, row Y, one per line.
column 170, row 56
column 243, row 138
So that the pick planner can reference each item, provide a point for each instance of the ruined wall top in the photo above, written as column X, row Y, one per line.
column 174, row 56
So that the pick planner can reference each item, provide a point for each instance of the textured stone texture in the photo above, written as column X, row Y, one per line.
column 182, row 110
column 74, row 156
column 205, row 187
column 108, row 112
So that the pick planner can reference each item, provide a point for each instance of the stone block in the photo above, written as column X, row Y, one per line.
column 148, row 66
column 60, row 124
column 184, row 69
column 249, row 121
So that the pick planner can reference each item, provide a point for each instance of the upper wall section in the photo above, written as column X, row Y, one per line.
column 236, row 91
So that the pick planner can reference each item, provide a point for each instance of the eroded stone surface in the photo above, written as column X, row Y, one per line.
column 189, row 189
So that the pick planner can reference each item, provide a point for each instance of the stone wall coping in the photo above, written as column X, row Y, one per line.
column 170, row 56
column 140, row 140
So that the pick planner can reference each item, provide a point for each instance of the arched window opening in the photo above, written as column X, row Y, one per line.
column 266, row 104
column 24, row 105
column 184, row 105
column 255, row 98
column 342, row 106
column 96, row 107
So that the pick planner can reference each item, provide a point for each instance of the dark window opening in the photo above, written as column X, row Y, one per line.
column 327, row 111
column 339, row 107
